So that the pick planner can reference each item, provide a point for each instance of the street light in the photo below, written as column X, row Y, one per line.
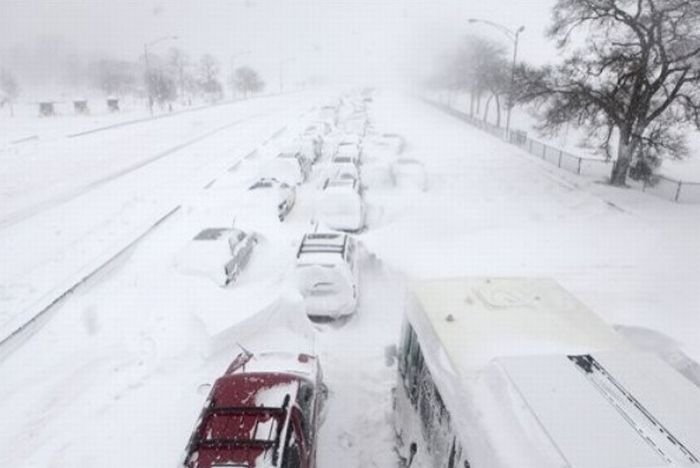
column 282, row 62
column 145, row 56
column 514, row 36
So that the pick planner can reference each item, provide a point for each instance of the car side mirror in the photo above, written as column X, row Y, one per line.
column 391, row 353
column 323, row 391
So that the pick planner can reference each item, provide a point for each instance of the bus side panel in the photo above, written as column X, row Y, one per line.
column 421, row 417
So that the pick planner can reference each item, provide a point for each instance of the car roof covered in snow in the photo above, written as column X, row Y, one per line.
column 290, row 154
column 341, row 182
column 266, row 182
column 301, row 365
column 322, row 247
column 210, row 244
column 550, row 384
column 247, row 413
column 212, row 234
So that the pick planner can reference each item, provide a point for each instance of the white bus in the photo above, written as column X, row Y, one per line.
column 513, row 372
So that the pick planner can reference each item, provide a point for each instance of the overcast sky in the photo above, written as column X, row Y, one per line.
column 361, row 39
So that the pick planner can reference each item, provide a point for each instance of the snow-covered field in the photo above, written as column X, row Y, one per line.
column 115, row 376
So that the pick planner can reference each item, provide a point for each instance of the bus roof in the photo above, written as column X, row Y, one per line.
column 478, row 319
column 610, row 410
column 532, row 378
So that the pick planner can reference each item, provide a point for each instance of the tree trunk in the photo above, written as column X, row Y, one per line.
column 471, row 103
column 478, row 104
column 625, row 152
column 486, row 110
column 498, row 111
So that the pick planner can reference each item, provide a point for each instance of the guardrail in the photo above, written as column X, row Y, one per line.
column 658, row 185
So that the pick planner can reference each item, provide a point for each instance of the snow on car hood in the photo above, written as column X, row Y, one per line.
column 340, row 204
column 327, row 289
column 281, row 327
column 283, row 169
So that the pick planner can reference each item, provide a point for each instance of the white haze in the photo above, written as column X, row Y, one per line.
column 369, row 41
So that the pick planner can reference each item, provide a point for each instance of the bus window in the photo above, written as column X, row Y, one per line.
column 426, row 403
column 414, row 370
column 404, row 347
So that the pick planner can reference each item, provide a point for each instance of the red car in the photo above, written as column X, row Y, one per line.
column 263, row 412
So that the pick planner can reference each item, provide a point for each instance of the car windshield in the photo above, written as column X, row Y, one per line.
column 343, row 159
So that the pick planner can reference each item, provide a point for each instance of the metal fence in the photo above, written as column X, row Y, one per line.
column 658, row 185
column 671, row 189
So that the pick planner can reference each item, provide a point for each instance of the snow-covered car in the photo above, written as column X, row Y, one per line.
column 311, row 147
column 329, row 112
column 347, row 153
column 315, row 136
column 392, row 141
column 321, row 127
column 327, row 274
column 265, row 411
column 341, row 170
column 409, row 173
column 283, row 195
column 348, row 138
column 290, row 167
column 218, row 253
column 341, row 206
column 356, row 124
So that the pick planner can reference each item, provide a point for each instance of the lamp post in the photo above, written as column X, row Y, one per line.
column 282, row 63
column 514, row 36
column 146, row 61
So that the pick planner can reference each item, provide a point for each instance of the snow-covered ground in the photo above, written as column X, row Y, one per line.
column 70, row 204
column 115, row 377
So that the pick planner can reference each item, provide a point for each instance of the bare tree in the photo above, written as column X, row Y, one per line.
column 9, row 88
column 181, row 68
column 247, row 80
column 161, row 86
column 209, row 77
column 493, row 76
column 637, row 76
column 478, row 67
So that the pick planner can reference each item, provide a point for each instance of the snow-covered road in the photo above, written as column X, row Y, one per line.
column 77, row 202
column 114, row 378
